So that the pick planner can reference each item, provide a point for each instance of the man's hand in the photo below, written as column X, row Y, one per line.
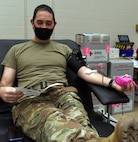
column 10, row 94
column 124, row 83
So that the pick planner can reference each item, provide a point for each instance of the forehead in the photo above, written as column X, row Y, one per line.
column 44, row 15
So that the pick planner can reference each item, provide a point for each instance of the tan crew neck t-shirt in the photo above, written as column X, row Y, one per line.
column 37, row 62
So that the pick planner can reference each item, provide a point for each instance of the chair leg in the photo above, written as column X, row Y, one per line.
column 108, row 113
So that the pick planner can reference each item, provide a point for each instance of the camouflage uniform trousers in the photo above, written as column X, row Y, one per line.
column 54, row 118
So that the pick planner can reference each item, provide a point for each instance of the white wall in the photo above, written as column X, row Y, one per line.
column 11, row 19
column 112, row 17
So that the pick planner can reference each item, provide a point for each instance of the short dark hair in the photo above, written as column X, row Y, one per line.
column 44, row 7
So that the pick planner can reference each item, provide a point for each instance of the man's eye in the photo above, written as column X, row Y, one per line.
column 39, row 22
column 48, row 23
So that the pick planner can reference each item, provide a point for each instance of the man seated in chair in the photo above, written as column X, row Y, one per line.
column 57, row 115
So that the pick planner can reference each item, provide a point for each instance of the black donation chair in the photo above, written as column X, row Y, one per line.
column 106, row 96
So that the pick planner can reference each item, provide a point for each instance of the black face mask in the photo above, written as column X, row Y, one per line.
column 43, row 33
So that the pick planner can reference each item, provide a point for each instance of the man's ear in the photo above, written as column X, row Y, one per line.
column 32, row 22
column 55, row 24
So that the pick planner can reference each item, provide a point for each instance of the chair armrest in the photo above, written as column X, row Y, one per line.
column 108, row 95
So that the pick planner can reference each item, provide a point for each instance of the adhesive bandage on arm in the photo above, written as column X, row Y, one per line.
column 90, row 71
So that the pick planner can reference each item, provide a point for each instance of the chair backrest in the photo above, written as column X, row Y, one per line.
column 5, row 45
column 73, row 80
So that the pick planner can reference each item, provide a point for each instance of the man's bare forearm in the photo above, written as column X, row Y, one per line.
column 93, row 77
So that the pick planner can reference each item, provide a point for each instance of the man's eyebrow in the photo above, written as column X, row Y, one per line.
column 49, row 21
column 44, row 21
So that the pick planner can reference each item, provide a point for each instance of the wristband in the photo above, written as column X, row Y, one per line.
column 111, row 82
